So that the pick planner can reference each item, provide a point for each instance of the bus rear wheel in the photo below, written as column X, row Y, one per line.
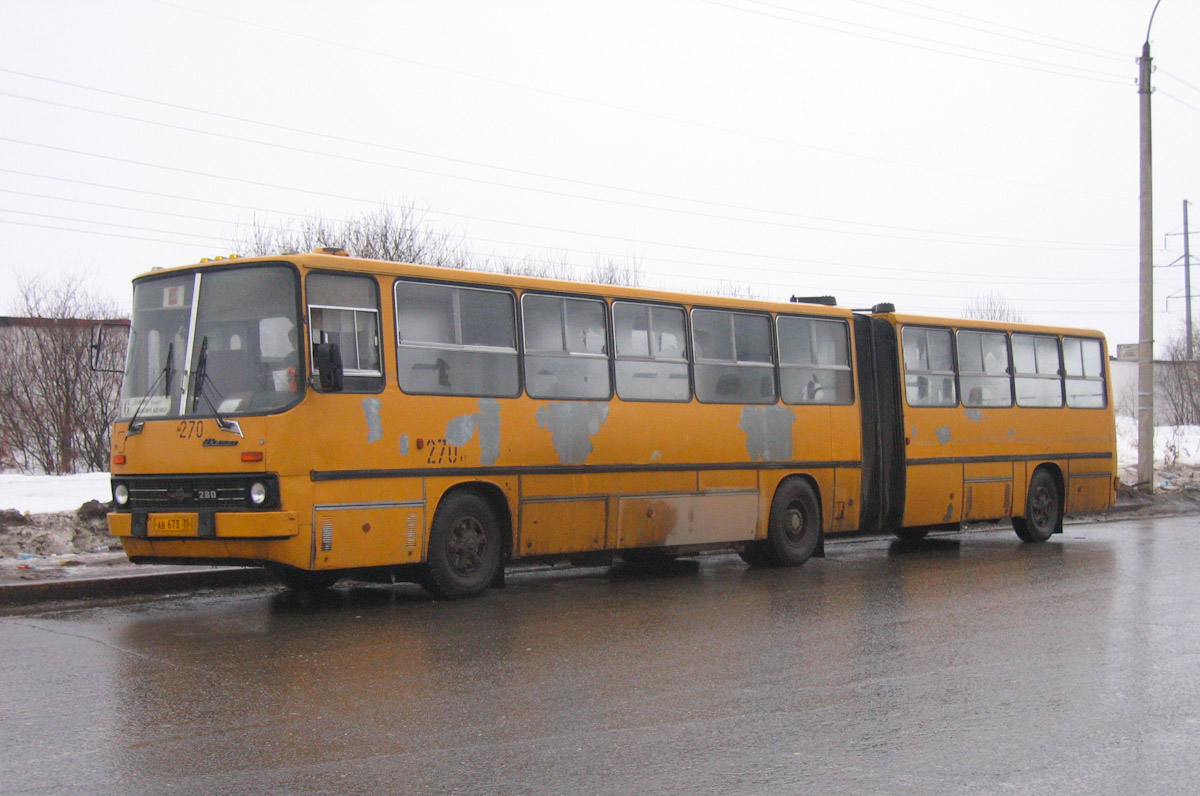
column 464, row 548
column 794, row 528
column 1043, row 509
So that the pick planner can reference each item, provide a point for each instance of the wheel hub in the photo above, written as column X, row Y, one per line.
column 793, row 524
column 467, row 544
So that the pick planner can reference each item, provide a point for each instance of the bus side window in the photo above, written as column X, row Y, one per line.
column 928, row 367
column 983, row 369
column 1036, row 368
column 814, row 361
column 455, row 340
column 1083, row 362
column 733, row 357
column 566, row 347
column 344, row 310
column 650, row 363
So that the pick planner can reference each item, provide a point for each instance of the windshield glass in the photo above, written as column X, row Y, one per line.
column 218, row 342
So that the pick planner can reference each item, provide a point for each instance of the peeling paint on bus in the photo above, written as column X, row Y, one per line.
column 768, row 432
column 487, row 420
column 974, row 415
column 403, row 444
column 371, row 407
column 943, row 434
column 489, row 430
column 460, row 430
column 571, row 426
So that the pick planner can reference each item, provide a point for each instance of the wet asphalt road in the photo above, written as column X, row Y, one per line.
column 968, row 663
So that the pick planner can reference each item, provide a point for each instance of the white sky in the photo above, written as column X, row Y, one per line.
column 877, row 150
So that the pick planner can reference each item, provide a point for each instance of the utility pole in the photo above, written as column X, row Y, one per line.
column 1145, row 468
column 1187, row 281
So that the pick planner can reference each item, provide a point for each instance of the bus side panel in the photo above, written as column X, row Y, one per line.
column 934, row 494
column 987, row 490
column 549, row 527
column 368, row 522
column 1089, row 486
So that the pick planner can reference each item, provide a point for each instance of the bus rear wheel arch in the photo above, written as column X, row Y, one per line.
column 465, row 546
column 1043, row 508
column 793, row 529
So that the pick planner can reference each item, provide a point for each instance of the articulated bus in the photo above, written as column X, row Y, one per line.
column 326, row 417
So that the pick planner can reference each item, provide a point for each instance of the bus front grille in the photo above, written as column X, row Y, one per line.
column 212, row 492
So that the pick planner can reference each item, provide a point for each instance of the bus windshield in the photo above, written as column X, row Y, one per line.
column 213, row 343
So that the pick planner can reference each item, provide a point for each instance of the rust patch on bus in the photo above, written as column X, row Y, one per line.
column 371, row 407
column 768, row 432
column 571, row 427
column 487, row 421
column 943, row 434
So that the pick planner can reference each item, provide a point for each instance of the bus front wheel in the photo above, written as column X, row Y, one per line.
column 464, row 547
column 794, row 529
column 1043, row 509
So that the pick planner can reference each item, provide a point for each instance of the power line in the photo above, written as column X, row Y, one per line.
column 1100, row 51
column 107, row 224
column 968, row 240
column 97, row 232
column 1177, row 78
column 1032, row 64
column 934, row 276
column 460, row 161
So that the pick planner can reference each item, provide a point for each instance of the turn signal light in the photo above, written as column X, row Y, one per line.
column 252, row 456
column 118, row 458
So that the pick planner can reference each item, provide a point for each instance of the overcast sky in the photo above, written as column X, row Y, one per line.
column 878, row 150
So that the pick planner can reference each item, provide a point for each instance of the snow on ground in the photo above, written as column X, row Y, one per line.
column 1176, row 449
column 1176, row 452
column 39, row 494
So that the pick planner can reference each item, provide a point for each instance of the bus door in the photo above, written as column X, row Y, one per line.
column 883, row 465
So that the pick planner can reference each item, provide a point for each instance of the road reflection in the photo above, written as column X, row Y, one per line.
column 876, row 637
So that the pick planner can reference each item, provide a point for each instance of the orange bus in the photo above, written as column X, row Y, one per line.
column 327, row 416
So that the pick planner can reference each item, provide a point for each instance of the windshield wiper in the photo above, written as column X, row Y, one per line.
column 165, row 376
column 202, row 382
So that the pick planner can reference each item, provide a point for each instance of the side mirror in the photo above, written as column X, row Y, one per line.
column 100, row 342
column 327, row 361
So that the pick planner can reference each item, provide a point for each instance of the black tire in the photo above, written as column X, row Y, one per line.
column 464, row 548
column 1043, row 509
column 303, row 580
column 793, row 531
column 911, row 535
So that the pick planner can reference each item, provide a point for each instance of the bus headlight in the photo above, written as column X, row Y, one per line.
column 121, row 494
column 258, row 493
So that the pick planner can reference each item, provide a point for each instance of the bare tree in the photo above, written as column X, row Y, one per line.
column 611, row 271
column 399, row 233
column 991, row 306
column 55, row 411
column 731, row 289
column 1177, row 381
column 558, row 268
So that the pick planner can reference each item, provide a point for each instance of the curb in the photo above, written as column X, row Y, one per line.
column 128, row 584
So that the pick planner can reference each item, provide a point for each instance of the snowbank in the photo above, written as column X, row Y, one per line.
column 1176, row 451
column 40, row 494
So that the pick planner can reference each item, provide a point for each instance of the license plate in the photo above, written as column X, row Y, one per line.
column 173, row 523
